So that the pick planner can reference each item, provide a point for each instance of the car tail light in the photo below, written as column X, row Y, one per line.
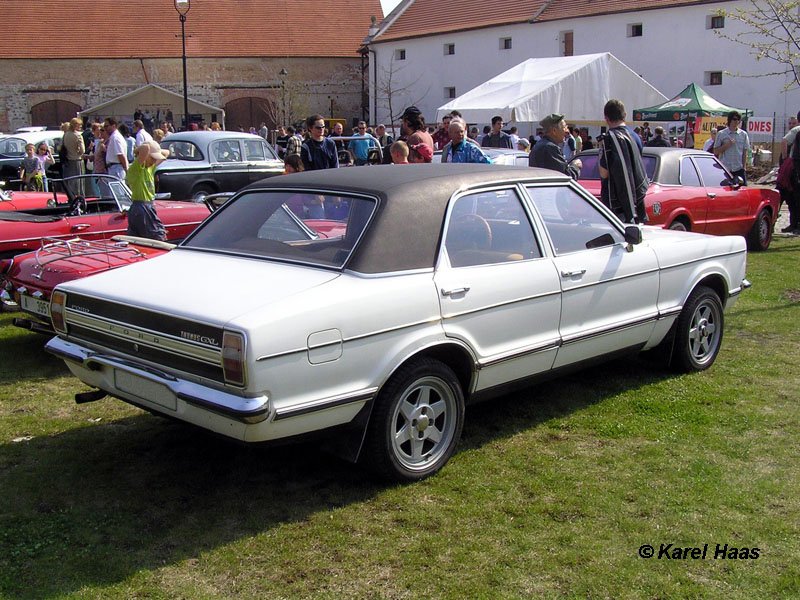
column 57, row 304
column 233, row 358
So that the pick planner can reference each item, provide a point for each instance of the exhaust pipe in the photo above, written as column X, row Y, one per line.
column 34, row 326
column 91, row 396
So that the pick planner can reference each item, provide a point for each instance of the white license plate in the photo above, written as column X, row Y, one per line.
column 35, row 305
column 145, row 389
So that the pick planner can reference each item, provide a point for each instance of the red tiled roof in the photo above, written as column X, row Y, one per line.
column 214, row 28
column 428, row 17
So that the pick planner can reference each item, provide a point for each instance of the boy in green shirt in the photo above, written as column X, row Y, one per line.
column 142, row 218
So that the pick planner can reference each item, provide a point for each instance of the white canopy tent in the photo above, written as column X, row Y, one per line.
column 158, row 101
column 575, row 86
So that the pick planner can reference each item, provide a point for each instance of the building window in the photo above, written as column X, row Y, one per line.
column 449, row 49
column 716, row 22
column 400, row 54
column 449, row 93
column 635, row 30
column 505, row 43
column 713, row 77
column 567, row 48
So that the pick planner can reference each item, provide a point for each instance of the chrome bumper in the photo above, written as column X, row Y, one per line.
column 245, row 410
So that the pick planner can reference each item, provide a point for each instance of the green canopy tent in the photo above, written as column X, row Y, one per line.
column 691, row 103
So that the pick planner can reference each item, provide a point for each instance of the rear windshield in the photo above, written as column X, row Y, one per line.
column 182, row 150
column 12, row 146
column 306, row 227
column 590, row 169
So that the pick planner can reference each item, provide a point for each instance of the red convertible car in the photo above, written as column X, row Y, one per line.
column 96, row 207
column 690, row 190
column 29, row 200
column 27, row 280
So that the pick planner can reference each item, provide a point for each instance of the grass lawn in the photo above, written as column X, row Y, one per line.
column 552, row 494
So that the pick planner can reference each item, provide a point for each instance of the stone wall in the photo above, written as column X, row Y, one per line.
column 311, row 83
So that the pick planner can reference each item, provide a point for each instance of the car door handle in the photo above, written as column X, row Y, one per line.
column 711, row 195
column 576, row 273
column 455, row 291
column 80, row 226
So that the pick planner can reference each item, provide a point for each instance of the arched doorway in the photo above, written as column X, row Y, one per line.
column 250, row 111
column 53, row 113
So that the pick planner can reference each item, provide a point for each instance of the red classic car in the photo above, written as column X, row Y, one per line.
column 96, row 208
column 29, row 200
column 27, row 280
column 690, row 190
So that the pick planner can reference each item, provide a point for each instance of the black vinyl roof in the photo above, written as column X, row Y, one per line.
column 412, row 202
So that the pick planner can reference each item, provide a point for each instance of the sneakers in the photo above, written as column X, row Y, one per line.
column 791, row 229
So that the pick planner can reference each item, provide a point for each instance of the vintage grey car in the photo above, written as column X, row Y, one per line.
column 207, row 162
column 444, row 285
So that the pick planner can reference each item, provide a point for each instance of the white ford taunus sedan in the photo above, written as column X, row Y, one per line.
column 433, row 286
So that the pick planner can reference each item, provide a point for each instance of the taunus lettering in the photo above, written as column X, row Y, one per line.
column 196, row 337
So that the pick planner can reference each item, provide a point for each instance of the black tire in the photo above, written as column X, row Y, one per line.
column 678, row 225
column 416, row 422
column 200, row 192
column 760, row 235
column 698, row 331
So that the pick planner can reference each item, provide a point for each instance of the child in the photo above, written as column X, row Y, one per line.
column 31, row 172
column 399, row 152
column 45, row 158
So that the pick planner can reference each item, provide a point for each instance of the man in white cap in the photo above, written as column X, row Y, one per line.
column 142, row 218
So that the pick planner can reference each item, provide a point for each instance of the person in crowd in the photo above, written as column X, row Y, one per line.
column 658, row 140
column 413, row 126
column 790, row 148
column 263, row 131
column 384, row 139
column 576, row 135
column 708, row 145
column 496, row 138
column 116, row 150
column 688, row 135
column 623, row 179
column 586, row 140
column 293, row 164
column 548, row 152
column 399, row 151
column 158, row 135
column 646, row 133
column 140, row 133
column 442, row 135
column 512, row 133
column 569, row 144
column 98, row 155
column 44, row 155
column 143, row 220
column 473, row 134
column 524, row 145
column 129, row 141
column 461, row 149
column 293, row 142
column 359, row 147
column 213, row 127
column 732, row 144
column 73, row 143
column 30, row 170
column 420, row 153
column 317, row 151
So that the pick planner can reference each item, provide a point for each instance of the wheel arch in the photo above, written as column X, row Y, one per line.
column 716, row 282
column 682, row 217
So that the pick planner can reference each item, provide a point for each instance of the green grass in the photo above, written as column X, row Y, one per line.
column 552, row 492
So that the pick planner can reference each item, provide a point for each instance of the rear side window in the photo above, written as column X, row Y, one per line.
column 181, row 150
column 689, row 175
column 590, row 169
column 226, row 151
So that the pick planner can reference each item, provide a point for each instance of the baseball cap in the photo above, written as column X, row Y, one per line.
column 550, row 120
column 410, row 111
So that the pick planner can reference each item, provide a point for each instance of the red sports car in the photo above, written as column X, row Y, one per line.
column 29, row 200
column 27, row 280
column 690, row 190
column 96, row 207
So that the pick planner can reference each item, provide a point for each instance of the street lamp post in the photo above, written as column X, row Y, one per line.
column 183, row 6
column 283, row 73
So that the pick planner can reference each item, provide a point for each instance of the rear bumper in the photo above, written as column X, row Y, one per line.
column 152, row 388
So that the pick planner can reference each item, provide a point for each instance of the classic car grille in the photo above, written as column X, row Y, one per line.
column 163, row 339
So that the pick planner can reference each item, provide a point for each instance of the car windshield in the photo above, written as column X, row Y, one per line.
column 182, row 150
column 590, row 169
column 12, row 146
column 305, row 227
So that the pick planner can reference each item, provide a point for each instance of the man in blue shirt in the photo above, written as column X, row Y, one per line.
column 461, row 149
column 317, row 151
column 360, row 148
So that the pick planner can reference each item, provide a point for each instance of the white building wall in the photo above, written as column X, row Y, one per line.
column 676, row 48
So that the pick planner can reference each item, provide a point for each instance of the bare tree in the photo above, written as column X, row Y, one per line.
column 288, row 104
column 773, row 34
column 392, row 94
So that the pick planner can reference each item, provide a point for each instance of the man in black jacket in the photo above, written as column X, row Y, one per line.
column 624, row 181
column 658, row 140
column 548, row 152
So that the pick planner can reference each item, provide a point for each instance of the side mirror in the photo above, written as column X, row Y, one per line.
column 633, row 235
